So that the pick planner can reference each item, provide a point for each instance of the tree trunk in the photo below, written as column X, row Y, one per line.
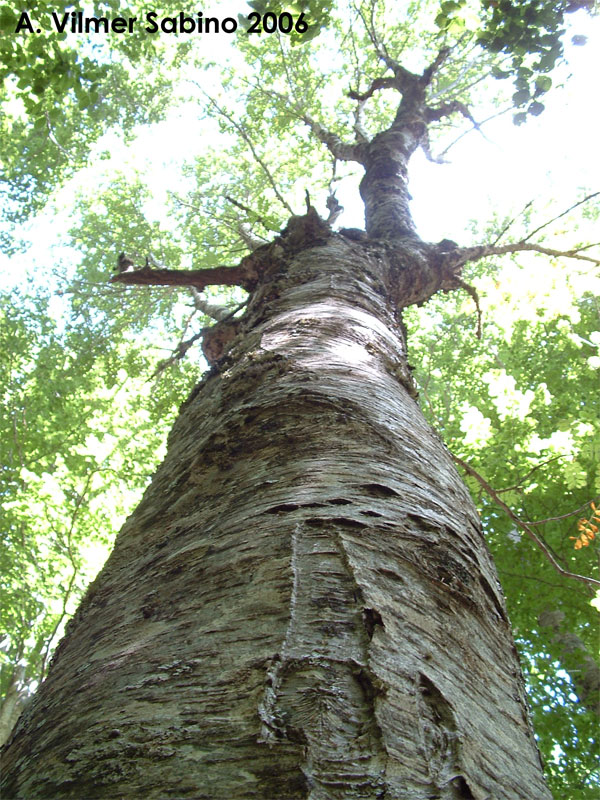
column 12, row 705
column 303, row 604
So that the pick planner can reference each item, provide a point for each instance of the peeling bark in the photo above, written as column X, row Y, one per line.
column 303, row 604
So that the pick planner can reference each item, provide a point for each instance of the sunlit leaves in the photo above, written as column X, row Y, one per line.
column 83, row 421
column 588, row 529
column 61, row 92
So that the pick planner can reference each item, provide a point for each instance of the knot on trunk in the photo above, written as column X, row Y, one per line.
column 306, row 230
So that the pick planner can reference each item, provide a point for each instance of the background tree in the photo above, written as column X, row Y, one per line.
column 264, row 207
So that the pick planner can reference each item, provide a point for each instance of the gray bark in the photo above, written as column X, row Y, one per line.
column 303, row 605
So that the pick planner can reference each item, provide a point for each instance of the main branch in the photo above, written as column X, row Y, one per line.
column 464, row 254
column 198, row 278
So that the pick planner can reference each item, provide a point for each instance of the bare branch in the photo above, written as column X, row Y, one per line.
column 426, row 148
column 286, row 69
column 472, row 128
column 180, row 201
column 251, row 241
column 184, row 345
column 378, row 46
column 461, row 85
column 472, row 292
column 400, row 72
column 445, row 110
column 249, row 211
column 212, row 310
column 199, row 278
column 562, row 214
column 178, row 353
column 339, row 149
column 377, row 85
column 510, row 222
column 523, row 525
column 359, row 128
column 478, row 252
column 437, row 62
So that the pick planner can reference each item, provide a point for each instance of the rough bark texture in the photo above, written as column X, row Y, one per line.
column 303, row 605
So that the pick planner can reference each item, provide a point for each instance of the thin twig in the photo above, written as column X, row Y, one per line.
column 524, row 478
column 53, row 138
column 508, row 224
column 472, row 292
column 523, row 525
column 577, row 511
column 472, row 128
column 249, row 211
column 562, row 214
column 240, row 129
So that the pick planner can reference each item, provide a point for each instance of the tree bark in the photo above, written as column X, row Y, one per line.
column 303, row 605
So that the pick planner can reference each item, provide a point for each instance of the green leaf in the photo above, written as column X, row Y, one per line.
column 536, row 108
column 543, row 83
column 39, row 86
column 521, row 97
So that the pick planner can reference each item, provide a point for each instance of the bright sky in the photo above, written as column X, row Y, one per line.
column 551, row 156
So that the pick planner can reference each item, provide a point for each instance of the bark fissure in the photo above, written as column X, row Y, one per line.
column 323, row 695
column 441, row 741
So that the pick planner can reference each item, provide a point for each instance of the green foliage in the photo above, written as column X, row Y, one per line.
column 530, row 35
column 525, row 38
column 60, row 92
column 81, row 431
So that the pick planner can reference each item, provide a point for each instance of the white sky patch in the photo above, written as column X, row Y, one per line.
column 594, row 341
column 559, row 442
column 477, row 428
column 502, row 170
column 515, row 164
column 509, row 401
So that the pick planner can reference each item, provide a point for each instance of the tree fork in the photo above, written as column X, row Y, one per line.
column 303, row 604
